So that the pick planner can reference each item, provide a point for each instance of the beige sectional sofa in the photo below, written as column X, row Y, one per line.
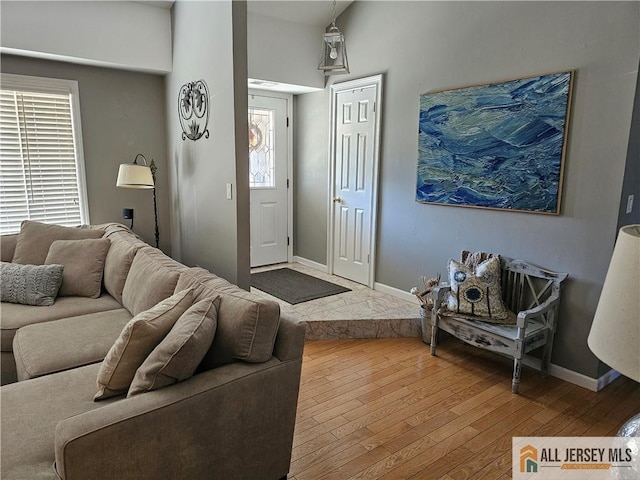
column 233, row 419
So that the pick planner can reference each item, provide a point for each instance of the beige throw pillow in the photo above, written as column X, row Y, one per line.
column 83, row 262
column 35, row 238
column 138, row 339
column 177, row 356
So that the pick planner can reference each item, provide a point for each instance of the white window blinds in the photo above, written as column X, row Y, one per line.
column 40, row 178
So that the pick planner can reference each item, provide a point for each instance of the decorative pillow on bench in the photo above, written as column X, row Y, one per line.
column 477, row 292
column 30, row 284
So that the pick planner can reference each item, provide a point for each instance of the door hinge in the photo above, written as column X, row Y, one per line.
column 287, row 122
column 368, row 258
column 288, row 241
column 374, row 107
column 287, row 183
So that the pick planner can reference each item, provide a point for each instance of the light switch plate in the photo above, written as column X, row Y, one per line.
column 629, row 203
column 229, row 191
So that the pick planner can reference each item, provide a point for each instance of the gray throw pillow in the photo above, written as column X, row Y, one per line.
column 30, row 284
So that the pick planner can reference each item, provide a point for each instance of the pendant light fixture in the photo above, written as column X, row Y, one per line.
column 334, row 51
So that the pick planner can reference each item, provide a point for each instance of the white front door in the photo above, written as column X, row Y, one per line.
column 268, row 181
column 355, row 148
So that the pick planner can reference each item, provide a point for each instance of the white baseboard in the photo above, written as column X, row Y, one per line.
column 310, row 263
column 607, row 378
column 593, row 384
column 396, row 292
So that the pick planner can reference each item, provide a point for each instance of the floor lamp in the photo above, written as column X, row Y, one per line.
column 615, row 332
column 133, row 175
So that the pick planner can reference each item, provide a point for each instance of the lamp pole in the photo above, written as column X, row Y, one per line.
column 153, row 168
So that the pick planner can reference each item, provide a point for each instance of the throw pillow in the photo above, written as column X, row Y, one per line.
column 83, row 262
column 176, row 357
column 35, row 238
column 136, row 341
column 30, row 284
column 476, row 292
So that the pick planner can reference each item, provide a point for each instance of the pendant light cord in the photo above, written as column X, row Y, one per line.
column 333, row 23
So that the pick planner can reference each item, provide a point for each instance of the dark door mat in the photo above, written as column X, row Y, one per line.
column 294, row 287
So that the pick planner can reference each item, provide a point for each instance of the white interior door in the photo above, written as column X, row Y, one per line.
column 268, row 160
column 355, row 149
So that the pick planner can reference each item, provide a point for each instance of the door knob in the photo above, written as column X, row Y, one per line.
column 337, row 199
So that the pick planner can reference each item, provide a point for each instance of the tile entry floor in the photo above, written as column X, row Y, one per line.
column 360, row 313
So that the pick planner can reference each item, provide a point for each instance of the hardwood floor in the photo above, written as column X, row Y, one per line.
column 386, row 409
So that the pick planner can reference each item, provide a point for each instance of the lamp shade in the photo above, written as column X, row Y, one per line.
column 615, row 333
column 134, row 176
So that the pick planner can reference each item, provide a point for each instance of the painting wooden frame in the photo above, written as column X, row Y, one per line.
column 498, row 146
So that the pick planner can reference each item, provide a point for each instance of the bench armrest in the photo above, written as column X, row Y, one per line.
column 438, row 294
column 541, row 309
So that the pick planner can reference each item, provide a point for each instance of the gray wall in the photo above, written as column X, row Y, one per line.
column 282, row 51
column 631, row 185
column 209, row 43
column 430, row 46
column 310, row 173
column 123, row 114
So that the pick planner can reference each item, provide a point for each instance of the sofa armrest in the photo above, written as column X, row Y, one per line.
column 290, row 338
column 235, row 421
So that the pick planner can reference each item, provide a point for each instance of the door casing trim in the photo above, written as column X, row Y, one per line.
column 376, row 81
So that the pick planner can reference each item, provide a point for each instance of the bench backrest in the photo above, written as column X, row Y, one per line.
column 525, row 286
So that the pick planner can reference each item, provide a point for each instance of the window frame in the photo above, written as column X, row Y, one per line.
column 58, row 86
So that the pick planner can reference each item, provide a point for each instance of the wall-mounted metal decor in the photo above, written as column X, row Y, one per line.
column 499, row 146
column 193, row 110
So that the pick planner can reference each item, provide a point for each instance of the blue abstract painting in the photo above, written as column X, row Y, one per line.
column 495, row 146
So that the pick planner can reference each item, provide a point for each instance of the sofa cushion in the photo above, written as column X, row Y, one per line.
column 177, row 356
column 247, row 323
column 28, row 433
column 50, row 347
column 152, row 278
column 36, row 285
column 136, row 341
column 15, row 315
column 83, row 262
column 8, row 246
column 119, row 258
column 35, row 238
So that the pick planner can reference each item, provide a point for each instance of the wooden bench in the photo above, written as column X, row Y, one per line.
column 532, row 293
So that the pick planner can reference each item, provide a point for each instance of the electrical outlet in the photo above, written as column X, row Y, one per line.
column 629, row 203
column 127, row 213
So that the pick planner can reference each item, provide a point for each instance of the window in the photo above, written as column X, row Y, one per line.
column 261, row 152
column 41, row 162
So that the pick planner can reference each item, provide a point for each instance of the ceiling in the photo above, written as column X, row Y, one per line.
column 308, row 12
